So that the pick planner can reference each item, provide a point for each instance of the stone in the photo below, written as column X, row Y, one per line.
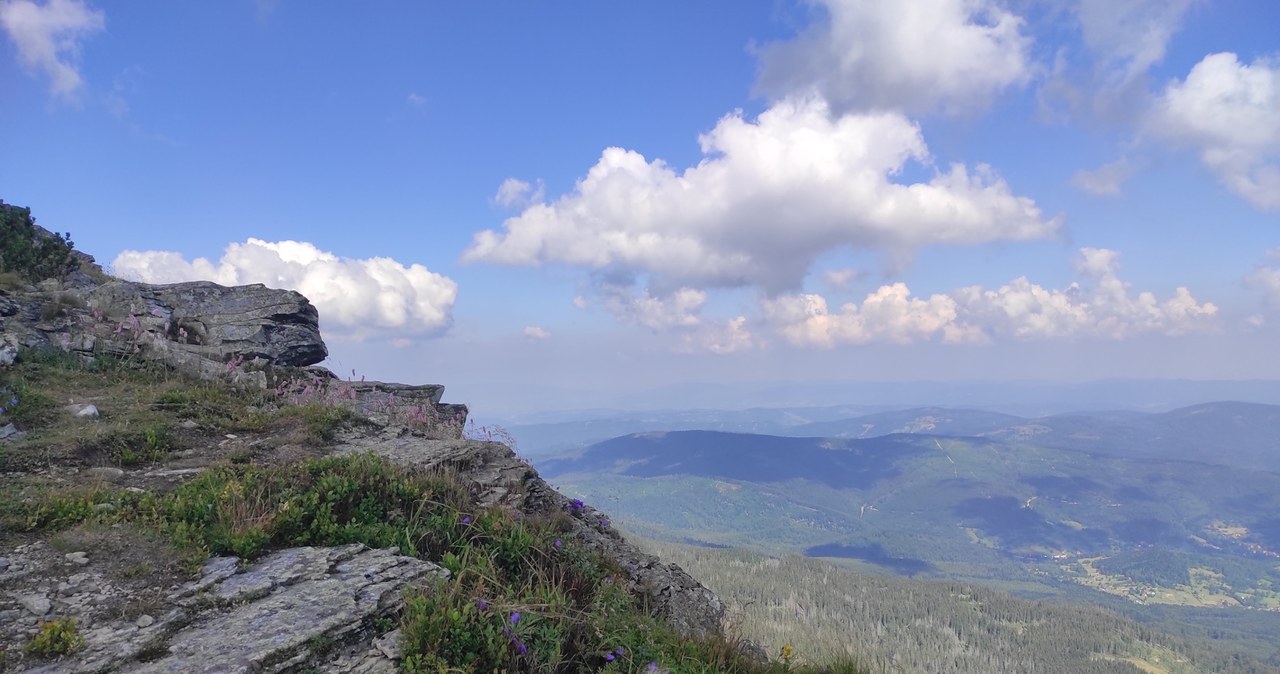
column 105, row 473
column 36, row 604
column 218, row 323
column 4, row 564
column 144, row 621
column 82, row 411
column 286, row 600
column 80, row 558
column 8, row 430
column 389, row 644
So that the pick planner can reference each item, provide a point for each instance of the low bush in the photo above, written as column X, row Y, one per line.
column 27, row 253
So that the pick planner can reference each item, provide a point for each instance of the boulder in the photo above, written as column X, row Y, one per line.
column 218, row 323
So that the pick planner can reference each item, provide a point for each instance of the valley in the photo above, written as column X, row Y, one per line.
column 1184, row 538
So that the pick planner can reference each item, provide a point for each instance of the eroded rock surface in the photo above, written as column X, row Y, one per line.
column 293, row 609
column 199, row 327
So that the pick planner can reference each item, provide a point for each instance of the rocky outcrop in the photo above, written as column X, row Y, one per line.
column 499, row 477
column 216, row 322
column 297, row 609
column 288, row 612
column 199, row 327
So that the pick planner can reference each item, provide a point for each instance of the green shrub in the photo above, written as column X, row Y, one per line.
column 56, row 637
column 27, row 253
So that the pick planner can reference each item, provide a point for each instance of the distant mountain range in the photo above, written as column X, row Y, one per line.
column 1237, row 434
column 1178, row 508
column 1026, row 398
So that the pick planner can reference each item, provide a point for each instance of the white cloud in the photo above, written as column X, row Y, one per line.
column 515, row 193
column 416, row 100
column 721, row 337
column 766, row 200
column 1266, row 279
column 1019, row 309
column 1127, row 37
column 914, row 56
column 841, row 278
column 1105, row 180
column 536, row 333
column 680, row 309
column 1230, row 113
column 888, row 314
column 356, row 298
column 48, row 38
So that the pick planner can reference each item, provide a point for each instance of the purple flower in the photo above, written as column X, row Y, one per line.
column 575, row 506
column 521, row 648
column 619, row 651
column 555, row 545
column 608, row 656
column 604, row 522
column 466, row 520
column 515, row 617
column 482, row 605
column 653, row 666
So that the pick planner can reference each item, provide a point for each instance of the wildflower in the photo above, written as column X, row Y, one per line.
column 466, row 520
column 555, row 545
column 788, row 652
column 521, row 648
column 515, row 617
column 604, row 522
column 653, row 666
column 482, row 605
column 619, row 651
column 608, row 656
column 575, row 506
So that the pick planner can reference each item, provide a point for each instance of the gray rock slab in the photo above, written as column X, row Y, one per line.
column 287, row 600
column 36, row 604
column 264, row 617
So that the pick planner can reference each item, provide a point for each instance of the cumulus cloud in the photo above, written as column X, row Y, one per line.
column 514, row 193
column 356, row 298
column 48, row 38
column 536, row 333
column 888, row 314
column 1102, row 306
column 768, row 197
column 1106, row 180
column 1230, row 112
column 917, row 56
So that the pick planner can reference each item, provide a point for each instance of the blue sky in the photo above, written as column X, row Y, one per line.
column 543, row 204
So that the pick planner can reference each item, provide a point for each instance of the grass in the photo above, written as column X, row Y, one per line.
column 524, row 595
